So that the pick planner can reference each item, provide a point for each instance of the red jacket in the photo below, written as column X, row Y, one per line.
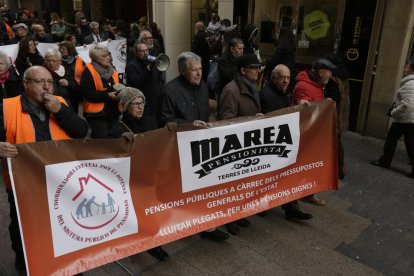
column 307, row 89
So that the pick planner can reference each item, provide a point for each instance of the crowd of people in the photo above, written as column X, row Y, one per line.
column 218, row 79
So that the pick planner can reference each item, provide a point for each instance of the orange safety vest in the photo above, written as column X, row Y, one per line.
column 89, row 107
column 79, row 67
column 19, row 128
column 9, row 31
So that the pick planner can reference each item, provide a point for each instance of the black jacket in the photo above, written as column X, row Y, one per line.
column 200, row 47
column 148, row 81
column 22, row 62
column 146, row 123
column 183, row 102
column 13, row 86
column 271, row 98
column 226, row 68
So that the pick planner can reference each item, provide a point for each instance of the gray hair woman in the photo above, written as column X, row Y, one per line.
column 64, row 83
column 100, row 105
column 10, row 81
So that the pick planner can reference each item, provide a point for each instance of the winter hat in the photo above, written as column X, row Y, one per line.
column 323, row 63
column 249, row 61
column 127, row 95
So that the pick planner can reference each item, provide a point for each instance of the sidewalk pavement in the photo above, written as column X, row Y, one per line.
column 366, row 228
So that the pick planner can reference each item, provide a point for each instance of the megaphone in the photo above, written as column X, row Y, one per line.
column 162, row 62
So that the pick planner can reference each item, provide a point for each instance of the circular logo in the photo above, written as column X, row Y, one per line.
column 352, row 54
column 92, row 202
column 121, row 49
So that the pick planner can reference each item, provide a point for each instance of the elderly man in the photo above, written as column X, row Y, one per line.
column 310, row 84
column 96, row 34
column 20, row 30
column 154, row 47
column 240, row 97
column 274, row 96
column 36, row 115
column 310, row 87
column 40, row 34
column 184, row 100
column 403, row 124
column 145, row 77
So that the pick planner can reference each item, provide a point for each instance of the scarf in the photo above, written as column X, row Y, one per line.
column 68, row 59
column 104, row 73
column 5, row 77
column 250, row 86
column 61, row 71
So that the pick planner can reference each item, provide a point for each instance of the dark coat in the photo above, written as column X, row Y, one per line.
column 72, row 92
column 148, row 81
column 13, row 86
column 146, row 123
column 271, row 98
column 22, row 62
column 89, row 39
column 183, row 102
column 47, row 38
column 200, row 47
column 226, row 68
column 236, row 100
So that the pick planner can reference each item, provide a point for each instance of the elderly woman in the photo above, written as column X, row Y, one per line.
column 72, row 62
column 64, row 83
column 10, row 82
column 100, row 99
column 28, row 55
column 134, row 121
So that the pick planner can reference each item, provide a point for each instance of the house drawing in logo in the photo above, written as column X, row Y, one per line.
column 84, row 208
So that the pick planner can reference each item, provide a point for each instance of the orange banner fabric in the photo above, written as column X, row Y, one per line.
column 85, row 203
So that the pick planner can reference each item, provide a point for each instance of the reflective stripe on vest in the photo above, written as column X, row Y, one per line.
column 19, row 125
column 79, row 67
column 89, row 107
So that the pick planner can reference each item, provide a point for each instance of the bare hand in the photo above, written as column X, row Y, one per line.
column 7, row 150
column 259, row 114
column 171, row 125
column 63, row 82
column 129, row 136
column 304, row 102
column 199, row 123
column 51, row 103
column 113, row 95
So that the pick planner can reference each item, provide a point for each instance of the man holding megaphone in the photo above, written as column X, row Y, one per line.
column 144, row 72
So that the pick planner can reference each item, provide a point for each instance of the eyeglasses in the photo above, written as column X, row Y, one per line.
column 140, row 104
column 40, row 81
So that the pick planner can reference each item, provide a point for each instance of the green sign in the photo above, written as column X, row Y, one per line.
column 316, row 24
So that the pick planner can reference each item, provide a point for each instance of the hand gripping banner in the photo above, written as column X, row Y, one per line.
column 84, row 203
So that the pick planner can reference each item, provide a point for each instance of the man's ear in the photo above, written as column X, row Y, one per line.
column 243, row 71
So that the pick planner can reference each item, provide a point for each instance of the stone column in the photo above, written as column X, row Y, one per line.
column 173, row 17
column 394, row 46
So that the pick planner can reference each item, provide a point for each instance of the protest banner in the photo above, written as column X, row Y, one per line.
column 85, row 203
column 117, row 48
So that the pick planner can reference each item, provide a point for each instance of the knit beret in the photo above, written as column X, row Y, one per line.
column 127, row 95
